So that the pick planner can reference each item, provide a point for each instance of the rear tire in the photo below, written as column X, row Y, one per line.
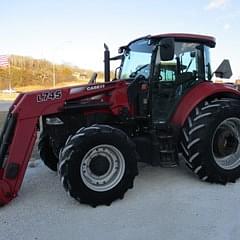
column 46, row 152
column 98, row 165
column 210, row 140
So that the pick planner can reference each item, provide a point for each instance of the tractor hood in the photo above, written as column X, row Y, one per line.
column 110, row 96
column 89, row 90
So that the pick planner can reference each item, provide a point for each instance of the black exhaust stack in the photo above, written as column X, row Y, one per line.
column 106, row 63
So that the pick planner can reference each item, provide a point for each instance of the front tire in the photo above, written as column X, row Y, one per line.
column 98, row 165
column 46, row 152
column 210, row 140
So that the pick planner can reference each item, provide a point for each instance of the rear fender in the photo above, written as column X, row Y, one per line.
column 198, row 94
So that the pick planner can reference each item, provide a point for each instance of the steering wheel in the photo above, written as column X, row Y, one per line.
column 140, row 78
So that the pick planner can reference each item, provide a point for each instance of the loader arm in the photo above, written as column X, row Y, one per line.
column 20, row 131
column 19, row 135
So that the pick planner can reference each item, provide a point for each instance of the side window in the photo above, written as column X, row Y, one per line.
column 188, row 62
column 207, row 63
column 165, row 70
column 184, row 66
column 168, row 71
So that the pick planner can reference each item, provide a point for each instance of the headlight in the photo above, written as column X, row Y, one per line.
column 54, row 121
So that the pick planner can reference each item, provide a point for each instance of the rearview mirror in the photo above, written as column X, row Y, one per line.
column 224, row 70
column 167, row 49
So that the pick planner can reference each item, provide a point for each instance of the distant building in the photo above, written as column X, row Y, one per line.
column 217, row 80
column 237, row 84
column 80, row 75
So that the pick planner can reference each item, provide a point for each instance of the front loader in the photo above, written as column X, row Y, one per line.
column 161, row 104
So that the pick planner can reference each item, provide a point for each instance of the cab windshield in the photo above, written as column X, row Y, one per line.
column 137, row 59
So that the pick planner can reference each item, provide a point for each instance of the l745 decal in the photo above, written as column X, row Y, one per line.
column 49, row 96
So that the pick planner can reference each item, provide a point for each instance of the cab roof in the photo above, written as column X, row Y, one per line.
column 208, row 40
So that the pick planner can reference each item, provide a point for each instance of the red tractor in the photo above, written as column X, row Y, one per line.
column 160, row 103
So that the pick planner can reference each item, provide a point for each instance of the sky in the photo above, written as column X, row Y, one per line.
column 74, row 31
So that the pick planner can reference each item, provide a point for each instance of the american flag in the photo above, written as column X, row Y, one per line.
column 4, row 61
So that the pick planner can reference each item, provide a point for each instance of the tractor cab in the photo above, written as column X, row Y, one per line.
column 170, row 64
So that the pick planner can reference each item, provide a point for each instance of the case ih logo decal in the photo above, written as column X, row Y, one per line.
column 90, row 88
column 49, row 96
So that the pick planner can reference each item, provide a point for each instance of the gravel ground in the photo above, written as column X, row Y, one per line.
column 164, row 204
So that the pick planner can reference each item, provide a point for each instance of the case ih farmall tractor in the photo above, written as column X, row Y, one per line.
column 160, row 103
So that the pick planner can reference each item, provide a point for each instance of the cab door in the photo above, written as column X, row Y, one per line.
column 171, row 79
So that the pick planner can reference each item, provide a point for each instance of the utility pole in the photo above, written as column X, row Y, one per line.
column 54, row 59
column 54, row 74
column 9, row 75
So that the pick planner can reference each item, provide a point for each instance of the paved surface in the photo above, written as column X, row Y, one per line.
column 4, row 105
column 164, row 204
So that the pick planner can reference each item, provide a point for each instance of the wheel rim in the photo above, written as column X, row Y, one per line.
column 225, row 144
column 102, row 168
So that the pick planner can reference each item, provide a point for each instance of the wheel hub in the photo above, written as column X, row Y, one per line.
column 225, row 144
column 102, row 167
column 99, row 165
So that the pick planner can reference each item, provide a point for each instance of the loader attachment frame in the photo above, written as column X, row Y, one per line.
column 17, row 140
column 19, row 131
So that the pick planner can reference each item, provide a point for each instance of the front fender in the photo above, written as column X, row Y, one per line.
column 196, row 95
